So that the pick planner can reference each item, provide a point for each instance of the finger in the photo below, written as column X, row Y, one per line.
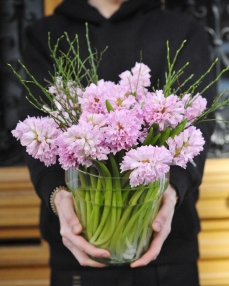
column 156, row 244
column 84, row 246
column 67, row 215
column 77, row 240
column 168, row 204
column 161, row 217
column 82, row 257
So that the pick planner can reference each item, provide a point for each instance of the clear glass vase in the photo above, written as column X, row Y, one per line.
column 113, row 215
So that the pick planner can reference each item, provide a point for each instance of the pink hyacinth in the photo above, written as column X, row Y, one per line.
column 94, row 118
column 119, row 97
column 80, row 144
column 148, row 163
column 193, row 106
column 185, row 146
column 38, row 135
column 122, row 131
column 94, row 97
column 137, row 79
column 166, row 111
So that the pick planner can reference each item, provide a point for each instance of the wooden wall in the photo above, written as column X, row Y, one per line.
column 24, row 261
column 49, row 6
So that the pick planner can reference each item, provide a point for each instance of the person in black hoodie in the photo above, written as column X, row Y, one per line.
column 127, row 28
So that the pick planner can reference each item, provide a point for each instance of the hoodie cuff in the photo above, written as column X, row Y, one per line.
column 48, row 183
column 181, row 180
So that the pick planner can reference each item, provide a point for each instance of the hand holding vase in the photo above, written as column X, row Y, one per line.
column 83, row 250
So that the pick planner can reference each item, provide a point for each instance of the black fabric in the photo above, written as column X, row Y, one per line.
column 86, row 13
column 166, row 275
column 139, row 27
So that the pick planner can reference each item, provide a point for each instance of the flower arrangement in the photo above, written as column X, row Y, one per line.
column 122, row 139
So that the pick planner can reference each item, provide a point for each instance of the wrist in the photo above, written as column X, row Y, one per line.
column 56, row 196
column 174, row 193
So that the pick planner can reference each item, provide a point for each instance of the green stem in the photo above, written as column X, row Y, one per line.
column 97, row 205
column 107, row 199
column 88, row 213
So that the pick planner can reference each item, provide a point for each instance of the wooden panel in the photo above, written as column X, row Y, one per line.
column 19, row 216
column 50, row 5
column 19, row 233
column 26, row 276
column 18, row 256
column 19, row 198
column 216, row 179
column 217, row 208
column 215, row 225
column 19, row 204
column 10, row 175
column 214, row 245
column 214, row 273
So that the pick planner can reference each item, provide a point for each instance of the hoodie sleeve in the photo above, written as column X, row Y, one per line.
column 196, row 51
column 38, row 61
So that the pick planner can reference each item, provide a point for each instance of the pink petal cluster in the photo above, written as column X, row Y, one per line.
column 63, row 102
column 38, row 135
column 94, row 96
column 95, row 119
column 137, row 79
column 123, row 130
column 80, row 144
column 58, row 86
column 193, row 106
column 185, row 146
column 120, row 97
column 148, row 163
column 166, row 111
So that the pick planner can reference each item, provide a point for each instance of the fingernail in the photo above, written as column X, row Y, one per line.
column 157, row 226
column 76, row 228
column 105, row 255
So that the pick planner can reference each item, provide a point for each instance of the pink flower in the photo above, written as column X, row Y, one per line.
column 148, row 163
column 80, row 144
column 94, row 97
column 137, row 79
column 185, row 146
column 58, row 86
column 193, row 106
column 66, row 104
column 122, row 131
column 38, row 135
column 166, row 111
column 119, row 97
column 94, row 118
column 141, row 73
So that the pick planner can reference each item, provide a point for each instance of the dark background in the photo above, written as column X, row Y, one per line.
column 15, row 15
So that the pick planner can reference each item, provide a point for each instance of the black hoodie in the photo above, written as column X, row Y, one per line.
column 138, row 27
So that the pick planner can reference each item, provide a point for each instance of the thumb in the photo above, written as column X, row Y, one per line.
column 67, row 214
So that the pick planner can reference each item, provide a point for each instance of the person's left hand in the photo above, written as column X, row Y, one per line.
column 161, row 227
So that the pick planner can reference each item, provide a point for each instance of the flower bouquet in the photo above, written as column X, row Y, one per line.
column 116, row 142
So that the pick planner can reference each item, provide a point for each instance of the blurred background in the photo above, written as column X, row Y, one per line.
column 17, row 14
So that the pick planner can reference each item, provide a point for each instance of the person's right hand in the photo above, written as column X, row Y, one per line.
column 70, row 229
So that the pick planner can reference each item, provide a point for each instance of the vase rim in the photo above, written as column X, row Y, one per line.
column 165, row 176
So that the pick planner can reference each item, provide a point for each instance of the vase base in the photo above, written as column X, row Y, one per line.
column 113, row 262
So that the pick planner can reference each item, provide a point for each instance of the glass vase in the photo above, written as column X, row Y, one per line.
column 113, row 215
